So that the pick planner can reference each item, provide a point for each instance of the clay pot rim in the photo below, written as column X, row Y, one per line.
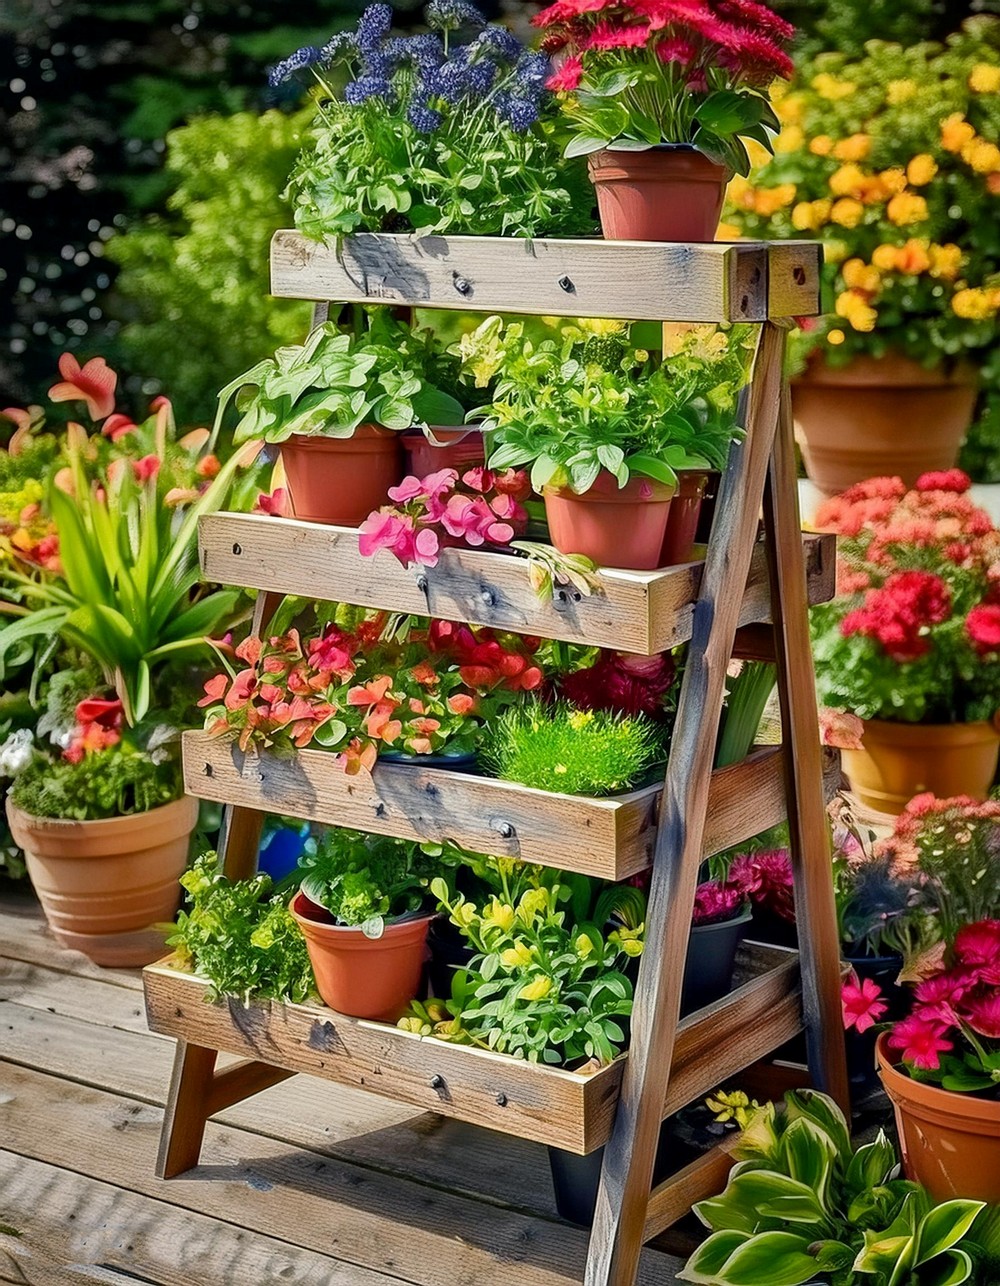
column 890, row 370
column 352, row 935
column 929, row 1096
column 369, row 434
column 899, row 732
column 601, row 493
column 699, row 165
column 168, row 821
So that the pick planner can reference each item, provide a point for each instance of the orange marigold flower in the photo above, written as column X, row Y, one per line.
column 906, row 208
column 921, row 170
column 956, row 132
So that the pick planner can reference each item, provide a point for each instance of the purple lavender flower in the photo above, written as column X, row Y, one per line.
column 425, row 120
column 425, row 52
column 343, row 43
column 500, row 41
column 479, row 78
column 373, row 27
column 449, row 82
column 531, row 71
column 521, row 114
column 359, row 91
column 449, row 15
column 286, row 69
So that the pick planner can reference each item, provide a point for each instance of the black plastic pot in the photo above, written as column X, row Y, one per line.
column 459, row 762
column 711, row 957
column 768, row 927
column 449, row 951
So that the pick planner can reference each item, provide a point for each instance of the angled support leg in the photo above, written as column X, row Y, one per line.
column 196, row 1089
column 626, row 1177
column 809, row 831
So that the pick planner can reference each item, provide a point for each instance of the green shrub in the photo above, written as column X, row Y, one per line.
column 108, row 783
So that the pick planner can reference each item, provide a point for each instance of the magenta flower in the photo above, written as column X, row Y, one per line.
column 715, row 901
column 409, row 489
column 978, row 944
column 922, row 1042
column 982, row 1014
column 862, row 1003
column 379, row 531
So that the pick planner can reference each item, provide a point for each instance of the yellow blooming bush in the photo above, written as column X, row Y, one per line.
column 892, row 161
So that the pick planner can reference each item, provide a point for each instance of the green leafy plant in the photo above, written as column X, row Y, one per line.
column 336, row 381
column 747, row 693
column 576, row 752
column 802, row 1206
column 240, row 936
column 108, row 783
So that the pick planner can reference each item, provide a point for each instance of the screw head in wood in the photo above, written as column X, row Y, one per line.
column 437, row 1082
column 500, row 1099
column 566, row 284
column 237, row 549
column 422, row 584
column 461, row 284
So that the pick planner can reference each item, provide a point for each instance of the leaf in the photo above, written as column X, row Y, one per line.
column 808, row 1152
column 728, row 112
column 434, row 407
column 824, row 1112
column 950, row 1269
column 201, row 618
column 944, row 1227
column 652, row 467
column 584, row 144
column 330, row 734
column 83, row 564
column 769, row 1259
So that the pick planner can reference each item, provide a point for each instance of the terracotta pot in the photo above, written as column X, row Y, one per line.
column 880, row 417
column 440, row 448
column 103, row 885
column 950, row 1142
column 341, row 480
column 668, row 193
column 359, row 976
column 615, row 526
column 685, row 512
column 900, row 760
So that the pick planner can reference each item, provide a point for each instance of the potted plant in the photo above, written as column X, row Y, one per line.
column 658, row 96
column 911, row 644
column 449, row 131
column 889, row 159
column 336, row 405
column 802, row 1205
column 605, row 427
column 364, row 910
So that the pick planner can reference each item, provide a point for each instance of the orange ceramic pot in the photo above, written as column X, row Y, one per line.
column 900, row 760
column 360, row 976
column 104, row 885
column 668, row 193
column 880, row 417
column 441, row 448
column 615, row 526
column 950, row 1142
column 341, row 480
column 685, row 513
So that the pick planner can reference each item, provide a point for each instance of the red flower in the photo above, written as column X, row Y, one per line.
column 978, row 944
column 108, row 714
column 982, row 1014
column 94, row 384
column 569, row 75
column 944, row 480
column 676, row 49
column 609, row 35
column 982, row 626
column 117, row 426
column 862, row 1003
column 751, row 14
column 922, row 1042
column 755, row 57
column 215, row 690
column 275, row 504
column 623, row 682
column 146, row 468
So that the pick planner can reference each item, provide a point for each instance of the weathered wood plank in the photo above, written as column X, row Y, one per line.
column 701, row 1178
column 369, row 1220
column 611, row 837
column 25, row 936
column 640, row 281
column 642, row 612
column 794, row 270
column 76, row 1231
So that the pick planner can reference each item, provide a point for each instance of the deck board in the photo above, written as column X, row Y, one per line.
column 304, row 1183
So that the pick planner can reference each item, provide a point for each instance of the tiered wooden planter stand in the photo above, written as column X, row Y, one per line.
column 748, row 597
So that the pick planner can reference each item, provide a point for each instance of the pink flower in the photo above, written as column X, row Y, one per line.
column 862, row 1003
column 944, row 480
column 714, row 901
column 922, row 1042
column 94, row 384
column 215, row 690
column 146, row 468
column 978, row 944
column 982, row 1014
column 275, row 504
column 381, row 530
column 840, row 728
column 982, row 627
column 117, row 426
column 568, row 77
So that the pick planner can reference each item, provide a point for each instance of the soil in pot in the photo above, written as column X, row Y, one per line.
column 900, row 760
column 671, row 192
column 880, row 416
column 682, row 521
column 615, row 526
column 359, row 976
column 105, row 885
column 950, row 1142
column 442, row 448
column 341, row 480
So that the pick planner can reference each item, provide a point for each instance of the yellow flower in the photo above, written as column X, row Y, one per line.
column 538, row 989
column 898, row 91
column 847, row 212
column 855, row 309
column 984, row 79
column 921, row 170
column 946, row 261
column 790, row 139
column 855, row 148
column 740, row 193
column 578, row 719
column 956, row 132
column 499, row 914
column 808, row 216
column 860, row 276
column 983, row 157
column 835, row 251
column 584, row 946
column 533, row 902
column 884, row 257
column 847, row 181
column 905, row 208
column 830, row 87
column 517, row 956
column 768, row 201
column 788, row 107
column 821, row 145
column 913, row 258
column 975, row 305
column 836, row 337
column 631, row 947
column 893, row 180
column 728, row 232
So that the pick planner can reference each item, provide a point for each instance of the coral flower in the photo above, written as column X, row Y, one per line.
column 94, row 384
column 568, row 77
column 146, row 468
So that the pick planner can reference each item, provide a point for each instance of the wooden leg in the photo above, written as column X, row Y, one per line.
column 807, row 821
column 186, row 1111
column 620, row 1217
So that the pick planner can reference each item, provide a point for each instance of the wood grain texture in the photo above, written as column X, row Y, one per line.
column 636, row 281
column 548, row 1105
column 611, row 838
column 619, row 1220
column 794, row 277
column 643, row 612
column 703, row 1177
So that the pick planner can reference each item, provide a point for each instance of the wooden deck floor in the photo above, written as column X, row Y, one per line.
column 306, row 1184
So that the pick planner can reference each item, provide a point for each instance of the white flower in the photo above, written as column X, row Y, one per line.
column 17, row 752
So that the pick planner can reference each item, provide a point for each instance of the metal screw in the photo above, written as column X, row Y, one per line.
column 437, row 1082
column 209, row 770
column 505, row 830
column 500, row 1099
column 422, row 584
column 237, row 549
column 488, row 597
column 462, row 285
column 567, row 285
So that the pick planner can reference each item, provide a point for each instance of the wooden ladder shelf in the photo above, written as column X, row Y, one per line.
column 748, row 597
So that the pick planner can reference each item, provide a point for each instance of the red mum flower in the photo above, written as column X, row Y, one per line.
column 982, row 626
column 755, row 57
column 568, row 77
column 944, row 480
column 94, row 384
column 607, row 35
column 978, row 944
column 750, row 14
column 922, row 1042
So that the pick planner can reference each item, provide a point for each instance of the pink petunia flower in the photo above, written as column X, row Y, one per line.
column 862, row 1003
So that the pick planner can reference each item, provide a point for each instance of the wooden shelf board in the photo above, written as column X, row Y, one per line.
column 549, row 1105
column 634, row 280
column 611, row 838
column 643, row 612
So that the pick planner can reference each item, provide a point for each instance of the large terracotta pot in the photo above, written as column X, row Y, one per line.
column 103, row 885
column 880, row 417
column 615, row 526
column 950, row 1142
column 360, row 976
column 341, row 480
column 900, row 760
column 668, row 193
column 441, row 448
column 685, row 513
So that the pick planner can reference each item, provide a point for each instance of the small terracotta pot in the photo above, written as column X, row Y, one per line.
column 880, row 417
column 668, row 193
column 103, row 885
column 615, row 526
column 950, row 1142
column 341, row 480
column 441, row 448
column 900, row 760
column 359, row 976
column 682, row 522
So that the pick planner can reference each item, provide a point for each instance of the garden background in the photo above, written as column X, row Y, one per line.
column 144, row 155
